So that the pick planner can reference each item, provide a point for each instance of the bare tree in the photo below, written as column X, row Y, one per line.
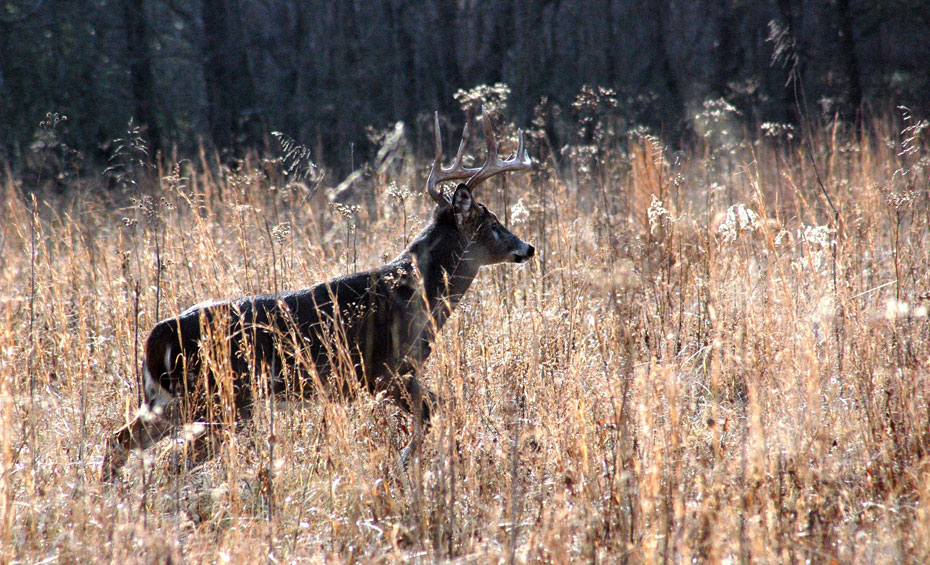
column 850, row 60
column 141, row 77
column 230, row 89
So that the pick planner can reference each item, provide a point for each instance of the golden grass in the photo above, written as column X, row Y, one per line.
column 690, row 370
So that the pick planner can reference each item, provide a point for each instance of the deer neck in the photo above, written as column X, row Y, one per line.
column 441, row 256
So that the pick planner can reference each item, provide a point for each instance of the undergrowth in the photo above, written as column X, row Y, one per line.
column 704, row 362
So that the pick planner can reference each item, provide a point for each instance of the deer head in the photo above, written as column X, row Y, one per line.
column 489, row 241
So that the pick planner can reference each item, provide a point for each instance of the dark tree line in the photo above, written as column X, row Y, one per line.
column 226, row 72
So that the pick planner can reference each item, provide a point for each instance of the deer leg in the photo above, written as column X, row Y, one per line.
column 203, row 440
column 413, row 397
column 148, row 428
column 409, row 393
column 196, row 450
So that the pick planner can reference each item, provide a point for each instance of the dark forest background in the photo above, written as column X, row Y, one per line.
column 225, row 73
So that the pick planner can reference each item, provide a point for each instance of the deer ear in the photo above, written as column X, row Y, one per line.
column 463, row 203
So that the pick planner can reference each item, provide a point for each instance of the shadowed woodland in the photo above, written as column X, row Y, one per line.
column 333, row 74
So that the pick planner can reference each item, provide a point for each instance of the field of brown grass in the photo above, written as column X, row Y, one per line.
column 719, row 354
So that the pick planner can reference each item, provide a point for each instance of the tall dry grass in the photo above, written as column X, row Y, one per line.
column 705, row 363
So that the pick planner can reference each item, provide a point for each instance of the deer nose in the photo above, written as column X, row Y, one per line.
column 526, row 255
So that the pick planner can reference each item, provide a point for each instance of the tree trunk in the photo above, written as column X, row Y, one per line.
column 729, row 51
column 402, row 62
column 231, row 98
column 850, row 61
column 668, row 78
column 141, row 76
column 448, row 75
column 796, row 70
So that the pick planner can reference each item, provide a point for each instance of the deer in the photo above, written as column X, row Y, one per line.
column 371, row 330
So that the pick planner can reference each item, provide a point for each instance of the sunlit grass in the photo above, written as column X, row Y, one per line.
column 704, row 362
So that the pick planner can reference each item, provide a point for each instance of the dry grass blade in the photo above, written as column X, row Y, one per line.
column 660, row 385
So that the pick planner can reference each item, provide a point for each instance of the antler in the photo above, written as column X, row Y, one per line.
column 439, row 173
column 494, row 165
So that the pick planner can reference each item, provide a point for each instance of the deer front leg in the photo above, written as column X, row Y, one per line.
column 147, row 428
column 416, row 399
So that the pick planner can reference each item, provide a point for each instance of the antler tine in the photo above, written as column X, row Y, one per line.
column 437, row 164
column 461, row 151
column 438, row 173
column 493, row 164
column 489, row 139
column 438, row 137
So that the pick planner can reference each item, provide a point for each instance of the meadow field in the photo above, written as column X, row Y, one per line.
column 721, row 353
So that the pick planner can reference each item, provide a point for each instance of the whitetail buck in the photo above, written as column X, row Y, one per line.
column 372, row 329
